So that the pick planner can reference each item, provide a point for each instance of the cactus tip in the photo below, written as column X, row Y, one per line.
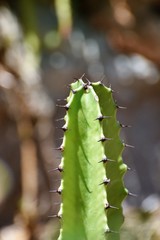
column 88, row 82
column 85, row 86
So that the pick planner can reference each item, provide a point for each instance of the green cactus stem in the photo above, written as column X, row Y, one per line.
column 113, row 150
column 92, row 168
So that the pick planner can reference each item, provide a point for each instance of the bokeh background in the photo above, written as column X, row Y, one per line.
column 44, row 45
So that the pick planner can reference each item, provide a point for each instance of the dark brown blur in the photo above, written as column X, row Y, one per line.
column 44, row 45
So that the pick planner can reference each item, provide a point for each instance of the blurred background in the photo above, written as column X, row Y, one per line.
column 44, row 45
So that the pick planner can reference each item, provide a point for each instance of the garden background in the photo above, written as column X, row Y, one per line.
column 44, row 45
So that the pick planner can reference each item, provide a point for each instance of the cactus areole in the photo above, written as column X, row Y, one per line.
column 92, row 169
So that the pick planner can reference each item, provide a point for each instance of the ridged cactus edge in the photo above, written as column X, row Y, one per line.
column 92, row 168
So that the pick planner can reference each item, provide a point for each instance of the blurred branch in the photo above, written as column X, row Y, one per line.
column 64, row 15
column 27, row 11
column 130, row 42
column 25, row 102
column 29, row 172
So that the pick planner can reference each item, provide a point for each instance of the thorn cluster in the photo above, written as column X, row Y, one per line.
column 105, row 159
column 66, row 107
column 103, row 139
column 100, row 118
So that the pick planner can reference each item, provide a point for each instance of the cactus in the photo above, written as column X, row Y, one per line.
column 92, row 168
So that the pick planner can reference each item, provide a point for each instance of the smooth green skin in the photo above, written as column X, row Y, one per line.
column 83, row 195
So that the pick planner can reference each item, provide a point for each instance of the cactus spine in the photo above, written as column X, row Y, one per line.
column 92, row 184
